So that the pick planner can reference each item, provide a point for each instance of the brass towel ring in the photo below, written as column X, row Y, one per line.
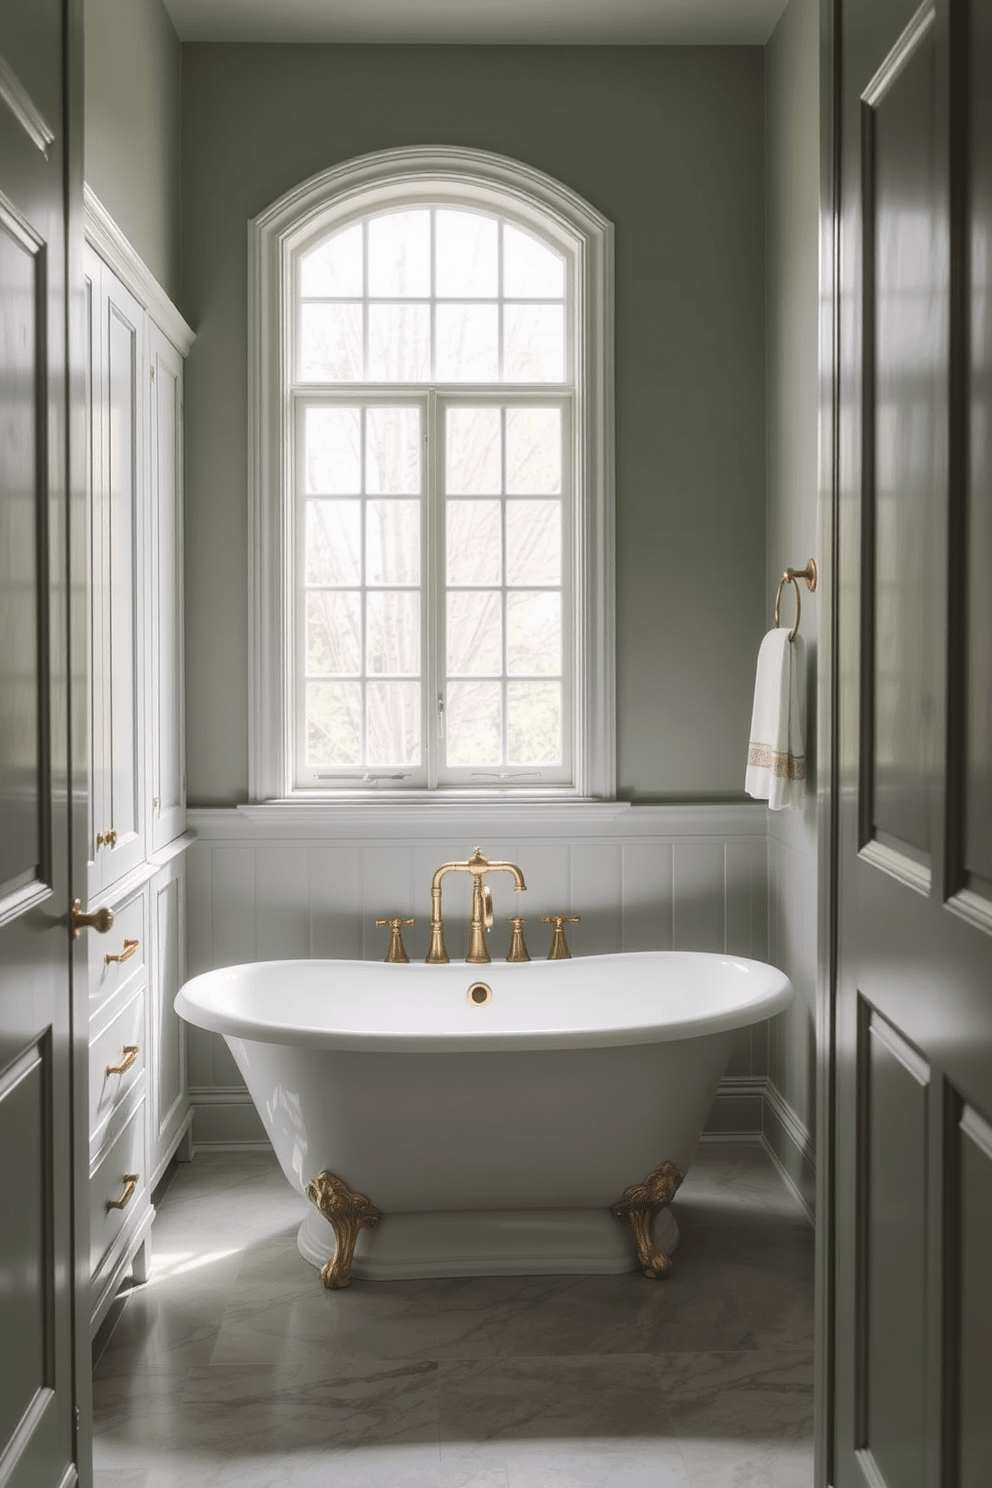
column 792, row 576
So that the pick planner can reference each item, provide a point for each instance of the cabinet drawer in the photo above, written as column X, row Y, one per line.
column 109, row 1184
column 125, row 943
column 122, row 1043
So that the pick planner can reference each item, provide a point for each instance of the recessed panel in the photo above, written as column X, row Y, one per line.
column 978, row 726
column 974, row 1319
column 905, row 341
column 893, row 1201
column 21, row 542
column 122, row 388
column 26, row 1294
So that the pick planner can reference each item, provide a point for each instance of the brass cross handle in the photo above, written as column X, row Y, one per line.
column 125, row 954
column 397, row 950
column 100, row 919
column 559, row 949
column 130, row 1053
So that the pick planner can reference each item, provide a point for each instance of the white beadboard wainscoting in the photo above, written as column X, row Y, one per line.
column 284, row 881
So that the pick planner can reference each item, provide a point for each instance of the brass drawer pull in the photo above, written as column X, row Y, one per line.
column 130, row 1053
column 107, row 839
column 130, row 1184
column 127, row 951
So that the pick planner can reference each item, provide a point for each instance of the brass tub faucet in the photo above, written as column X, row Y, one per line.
column 482, row 906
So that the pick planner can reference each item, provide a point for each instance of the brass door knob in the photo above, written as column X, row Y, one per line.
column 100, row 919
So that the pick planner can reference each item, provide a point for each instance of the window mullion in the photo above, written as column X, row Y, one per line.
column 433, row 582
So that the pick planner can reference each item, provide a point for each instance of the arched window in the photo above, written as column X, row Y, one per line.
column 431, row 473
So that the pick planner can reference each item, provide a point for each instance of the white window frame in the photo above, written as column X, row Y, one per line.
column 495, row 184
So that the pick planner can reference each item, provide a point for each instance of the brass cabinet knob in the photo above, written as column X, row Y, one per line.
column 100, row 920
column 559, row 949
column 130, row 1184
column 126, row 952
column 107, row 839
column 129, row 1055
column 397, row 950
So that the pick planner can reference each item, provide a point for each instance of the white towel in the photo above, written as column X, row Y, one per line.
column 776, row 757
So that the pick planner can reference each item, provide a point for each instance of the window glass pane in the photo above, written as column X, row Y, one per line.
column 392, row 451
column 467, row 247
column 472, row 537
column 474, row 723
column 334, row 723
column 534, row 343
column 533, row 723
column 330, row 343
column 533, row 542
column 392, row 542
column 400, row 254
column 392, row 631
column 334, row 633
column 393, row 723
column 529, row 268
column 333, row 542
column 472, row 452
column 475, row 640
column 467, row 343
column 533, row 451
column 533, row 633
column 334, row 267
column 399, row 343
column 333, row 450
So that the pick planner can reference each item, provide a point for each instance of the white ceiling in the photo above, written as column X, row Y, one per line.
column 583, row 22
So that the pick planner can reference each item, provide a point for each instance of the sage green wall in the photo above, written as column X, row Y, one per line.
column 792, row 246
column 669, row 144
column 133, row 90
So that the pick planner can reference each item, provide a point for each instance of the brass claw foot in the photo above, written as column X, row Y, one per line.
column 348, row 1212
column 640, row 1203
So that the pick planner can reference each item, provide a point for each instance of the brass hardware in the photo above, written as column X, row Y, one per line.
column 639, row 1205
column 397, row 950
column 130, row 1053
column 792, row 576
column 518, row 951
column 348, row 1212
column 480, row 993
column 107, row 839
column 482, row 906
column 127, row 951
column 130, row 1184
column 559, row 949
column 100, row 920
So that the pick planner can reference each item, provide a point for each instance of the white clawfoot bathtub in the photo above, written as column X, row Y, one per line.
column 492, row 1138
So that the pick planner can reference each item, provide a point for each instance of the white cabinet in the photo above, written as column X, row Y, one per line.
column 138, row 1096
column 117, row 489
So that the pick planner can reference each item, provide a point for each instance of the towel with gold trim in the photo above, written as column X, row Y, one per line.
column 776, row 756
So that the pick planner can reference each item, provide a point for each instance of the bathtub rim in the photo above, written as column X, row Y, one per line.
column 775, row 995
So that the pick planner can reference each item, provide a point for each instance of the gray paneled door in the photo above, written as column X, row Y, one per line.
column 912, row 1310
column 37, row 1386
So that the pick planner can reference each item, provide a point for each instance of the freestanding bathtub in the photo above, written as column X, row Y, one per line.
column 493, row 1130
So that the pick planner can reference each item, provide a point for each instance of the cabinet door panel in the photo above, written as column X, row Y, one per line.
column 168, row 765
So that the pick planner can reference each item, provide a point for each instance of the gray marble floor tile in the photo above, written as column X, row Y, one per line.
column 280, row 1311
column 769, row 1270
column 743, row 1422
column 160, row 1333
column 517, row 1316
column 127, row 1477
column 735, row 1183
column 526, row 1422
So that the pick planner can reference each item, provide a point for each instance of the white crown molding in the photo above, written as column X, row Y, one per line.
column 117, row 251
column 537, row 200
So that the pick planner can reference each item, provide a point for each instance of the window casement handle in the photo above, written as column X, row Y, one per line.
column 130, row 1184
column 126, row 952
column 129, row 1055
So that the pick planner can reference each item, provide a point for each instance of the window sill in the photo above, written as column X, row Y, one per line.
column 468, row 809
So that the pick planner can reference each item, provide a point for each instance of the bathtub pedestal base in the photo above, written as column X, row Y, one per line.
column 493, row 1242
column 347, row 1213
column 640, row 1205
